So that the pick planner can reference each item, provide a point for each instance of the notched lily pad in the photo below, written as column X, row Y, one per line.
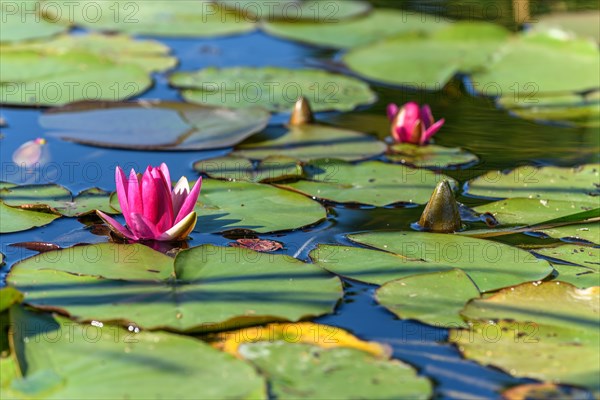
column 14, row 219
column 575, row 264
column 309, row 142
column 225, row 206
column 372, row 182
column 274, row 88
column 430, row 156
column 207, row 289
column 156, row 125
column 235, row 168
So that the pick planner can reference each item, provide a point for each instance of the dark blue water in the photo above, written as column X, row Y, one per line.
column 500, row 140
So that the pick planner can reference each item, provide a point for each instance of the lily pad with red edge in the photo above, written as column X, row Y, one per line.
column 206, row 288
column 157, row 125
column 149, row 364
column 309, row 142
column 274, row 88
column 14, row 219
column 536, row 330
column 372, row 183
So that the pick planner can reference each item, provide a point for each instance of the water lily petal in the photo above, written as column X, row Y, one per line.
column 122, row 188
column 143, row 228
column 427, row 116
column 392, row 111
column 30, row 153
column 190, row 202
column 116, row 227
column 165, row 171
column 432, row 131
column 150, row 197
column 181, row 230
column 134, row 196
column 180, row 193
column 416, row 133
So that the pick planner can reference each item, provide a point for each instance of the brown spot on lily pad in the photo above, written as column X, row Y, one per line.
column 40, row 247
column 261, row 245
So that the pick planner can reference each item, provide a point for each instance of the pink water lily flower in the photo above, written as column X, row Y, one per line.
column 413, row 124
column 152, row 208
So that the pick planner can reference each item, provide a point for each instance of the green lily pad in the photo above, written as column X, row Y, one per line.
column 8, row 297
column 309, row 142
column 372, row 182
column 435, row 298
column 582, row 23
column 567, row 109
column 16, row 219
column 541, row 62
column 490, row 265
column 181, row 18
column 428, row 62
column 237, row 168
column 310, row 10
column 208, row 288
column 587, row 271
column 58, row 199
column 520, row 211
column 354, row 32
column 225, row 206
column 23, row 21
column 87, row 67
column 276, row 89
column 430, row 156
column 60, row 361
column 536, row 331
column 304, row 371
column 154, row 125
column 545, row 183
column 588, row 232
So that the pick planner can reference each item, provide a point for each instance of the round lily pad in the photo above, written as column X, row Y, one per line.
column 16, row 219
column 372, row 182
column 276, row 89
column 225, row 206
column 309, row 142
column 428, row 62
column 372, row 27
column 208, row 287
column 541, row 62
column 85, row 67
column 304, row 10
column 154, row 126
column 237, row 168
column 435, row 298
column 586, row 272
column 181, row 18
column 23, row 20
column 430, row 156
column 545, row 183
column 536, row 330
column 59, row 360
column 489, row 264
column 58, row 199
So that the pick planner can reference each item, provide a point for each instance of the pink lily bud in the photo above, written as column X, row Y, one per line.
column 412, row 124
column 152, row 208
column 30, row 153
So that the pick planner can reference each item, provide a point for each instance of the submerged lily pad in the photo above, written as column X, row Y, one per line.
column 586, row 272
column 309, row 361
column 86, row 67
column 312, row 141
column 373, row 183
column 181, row 18
column 16, row 219
column 302, row 10
column 545, row 183
column 536, row 331
column 354, row 32
column 435, row 298
column 58, row 199
column 430, row 156
column 23, row 20
column 237, row 168
column 490, row 265
column 428, row 62
column 276, row 89
column 225, row 206
column 154, row 125
column 541, row 62
column 208, row 288
column 59, row 360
